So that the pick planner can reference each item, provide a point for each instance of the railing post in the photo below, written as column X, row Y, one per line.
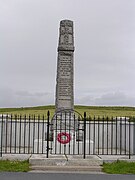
column 129, row 140
column 84, row 153
column 1, row 135
column 48, row 118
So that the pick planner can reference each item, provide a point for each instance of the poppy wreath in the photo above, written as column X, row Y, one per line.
column 65, row 140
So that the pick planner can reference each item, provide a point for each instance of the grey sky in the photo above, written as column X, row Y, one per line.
column 104, row 51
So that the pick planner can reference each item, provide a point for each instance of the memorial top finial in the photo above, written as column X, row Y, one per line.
column 66, row 22
column 66, row 38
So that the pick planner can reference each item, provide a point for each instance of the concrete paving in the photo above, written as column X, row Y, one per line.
column 65, row 164
column 112, row 158
column 104, row 158
column 12, row 157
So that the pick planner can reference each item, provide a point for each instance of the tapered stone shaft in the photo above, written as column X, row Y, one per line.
column 65, row 67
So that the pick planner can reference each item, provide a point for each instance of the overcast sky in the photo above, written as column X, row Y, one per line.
column 104, row 51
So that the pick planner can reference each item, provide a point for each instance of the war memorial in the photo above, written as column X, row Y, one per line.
column 67, row 133
column 65, row 67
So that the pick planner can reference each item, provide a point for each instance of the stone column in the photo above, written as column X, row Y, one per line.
column 65, row 67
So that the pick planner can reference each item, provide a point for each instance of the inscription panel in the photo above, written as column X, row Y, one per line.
column 65, row 66
column 65, row 79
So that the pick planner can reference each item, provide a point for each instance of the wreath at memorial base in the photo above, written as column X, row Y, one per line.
column 63, row 138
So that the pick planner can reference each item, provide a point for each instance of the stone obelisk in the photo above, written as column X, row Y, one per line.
column 65, row 67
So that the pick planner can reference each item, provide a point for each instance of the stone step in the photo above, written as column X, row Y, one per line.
column 64, row 162
column 68, row 168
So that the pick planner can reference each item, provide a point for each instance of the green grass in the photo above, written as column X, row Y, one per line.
column 90, row 110
column 39, row 110
column 106, row 111
column 14, row 166
column 119, row 167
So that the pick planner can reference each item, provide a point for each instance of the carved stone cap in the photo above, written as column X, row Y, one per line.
column 66, row 38
column 66, row 22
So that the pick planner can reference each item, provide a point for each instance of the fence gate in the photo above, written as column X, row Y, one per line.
column 66, row 133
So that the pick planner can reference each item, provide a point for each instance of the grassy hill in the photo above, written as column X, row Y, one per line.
column 90, row 110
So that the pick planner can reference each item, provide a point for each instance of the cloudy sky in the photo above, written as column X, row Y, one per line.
column 104, row 51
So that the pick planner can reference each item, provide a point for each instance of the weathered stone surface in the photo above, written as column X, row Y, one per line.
column 65, row 65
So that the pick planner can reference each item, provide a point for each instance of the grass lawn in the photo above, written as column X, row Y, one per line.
column 90, row 110
column 119, row 167
column 14, row 166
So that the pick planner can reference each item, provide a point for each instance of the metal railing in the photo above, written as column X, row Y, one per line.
column 38, row 135
column 22, row 134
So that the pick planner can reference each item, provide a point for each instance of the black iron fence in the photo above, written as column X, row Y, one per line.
column 22, row 134
column 66, row 133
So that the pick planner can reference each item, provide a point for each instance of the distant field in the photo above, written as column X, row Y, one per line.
column 90, row 110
